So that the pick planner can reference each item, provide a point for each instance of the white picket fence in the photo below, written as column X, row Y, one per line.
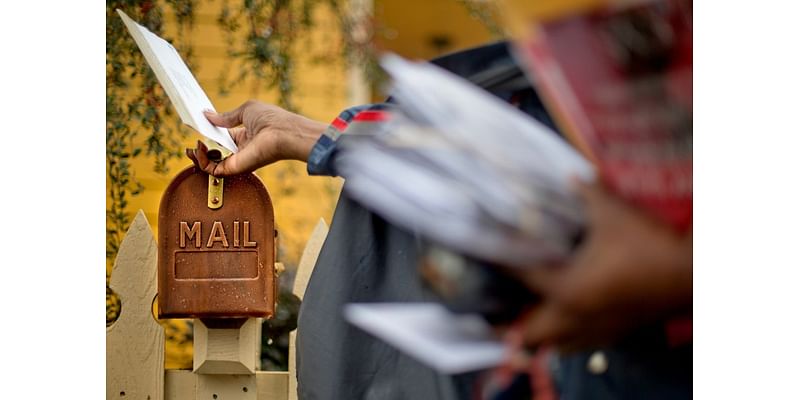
column 225, row 360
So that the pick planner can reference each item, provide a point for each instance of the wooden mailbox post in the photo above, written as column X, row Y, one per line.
column 226, row 346
column 216, row 263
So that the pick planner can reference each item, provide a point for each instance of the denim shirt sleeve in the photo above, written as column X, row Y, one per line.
column 320, row 160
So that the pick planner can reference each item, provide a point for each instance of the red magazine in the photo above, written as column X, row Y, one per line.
column 619, row 82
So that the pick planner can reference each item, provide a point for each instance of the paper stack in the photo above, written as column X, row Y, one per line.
column 181, row 87
column 447, row 342
column 466, row 170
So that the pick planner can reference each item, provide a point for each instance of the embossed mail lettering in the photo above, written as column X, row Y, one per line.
column 193, row 233
column 216, row 235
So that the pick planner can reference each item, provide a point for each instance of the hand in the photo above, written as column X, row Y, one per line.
column 630, row 271
column 267, row 134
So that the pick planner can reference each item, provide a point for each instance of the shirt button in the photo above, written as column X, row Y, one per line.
column 597, row 363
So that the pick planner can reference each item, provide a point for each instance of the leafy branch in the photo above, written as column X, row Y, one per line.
column 138, row 122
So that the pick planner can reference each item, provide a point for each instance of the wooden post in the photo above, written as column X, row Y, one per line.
column 221, row 349
column 270, row 385
column 135, row 342
column 225, row 358
column 226, row 387
column 304, row 270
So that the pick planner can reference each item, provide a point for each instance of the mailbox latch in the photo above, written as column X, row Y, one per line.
column 214, row 192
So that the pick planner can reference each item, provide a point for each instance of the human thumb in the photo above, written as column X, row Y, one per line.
column 228, row 119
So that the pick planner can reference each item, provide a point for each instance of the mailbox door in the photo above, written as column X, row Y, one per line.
column 216, row 262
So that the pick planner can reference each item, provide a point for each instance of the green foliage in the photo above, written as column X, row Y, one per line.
column 486, row 13
column 138, row 120
column 275, row 332
column 272, row 31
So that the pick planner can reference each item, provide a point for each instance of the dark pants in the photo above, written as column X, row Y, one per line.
column 642, row 367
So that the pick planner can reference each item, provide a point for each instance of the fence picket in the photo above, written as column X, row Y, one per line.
column 135, row 342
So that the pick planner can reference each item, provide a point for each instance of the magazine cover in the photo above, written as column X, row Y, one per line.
column 619, row 82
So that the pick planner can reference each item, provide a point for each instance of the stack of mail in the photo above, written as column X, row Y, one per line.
column 466, row 170
column 449, row 343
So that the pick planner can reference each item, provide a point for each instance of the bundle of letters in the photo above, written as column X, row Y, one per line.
column 465, row 170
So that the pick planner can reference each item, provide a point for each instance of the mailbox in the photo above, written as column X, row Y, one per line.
column 216, row 247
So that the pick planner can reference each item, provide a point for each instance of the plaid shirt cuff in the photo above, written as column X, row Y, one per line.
column 320, row 160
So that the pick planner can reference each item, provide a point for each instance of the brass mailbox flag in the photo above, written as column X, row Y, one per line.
column 216, row 262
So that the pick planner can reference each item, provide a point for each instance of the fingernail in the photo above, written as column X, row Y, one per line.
column 209, row 111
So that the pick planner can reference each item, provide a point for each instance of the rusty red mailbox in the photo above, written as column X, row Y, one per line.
column 216, row 247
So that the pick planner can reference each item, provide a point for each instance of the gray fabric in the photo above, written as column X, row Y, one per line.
column 364, row 259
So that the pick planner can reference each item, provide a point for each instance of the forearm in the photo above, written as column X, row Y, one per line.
column 296, row 143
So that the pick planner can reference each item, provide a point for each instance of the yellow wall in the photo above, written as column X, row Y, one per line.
column 410, row 27
column 299, row 200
